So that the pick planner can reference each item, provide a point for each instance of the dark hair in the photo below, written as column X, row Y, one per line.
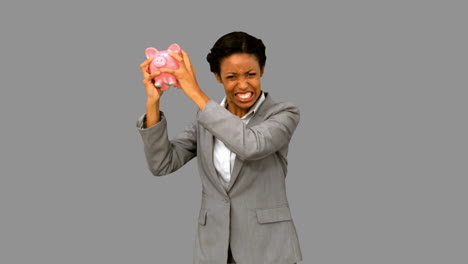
column 235, row 42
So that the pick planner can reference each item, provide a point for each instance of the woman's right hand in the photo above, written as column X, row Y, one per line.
column 153, row 93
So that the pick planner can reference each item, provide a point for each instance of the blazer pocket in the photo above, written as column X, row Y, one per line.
column 202, row 217
column 272, row 215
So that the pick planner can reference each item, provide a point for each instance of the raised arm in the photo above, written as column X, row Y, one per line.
column 162, row 155
column 254, row 142
column 165, row 156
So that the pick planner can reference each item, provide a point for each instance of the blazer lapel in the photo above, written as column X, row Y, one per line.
column 258, row 117
column 211, row 170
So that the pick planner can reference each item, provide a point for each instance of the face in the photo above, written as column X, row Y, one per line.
column 240, row 74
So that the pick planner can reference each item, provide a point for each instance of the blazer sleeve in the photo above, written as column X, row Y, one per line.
column 254, row 142
column 165, row 156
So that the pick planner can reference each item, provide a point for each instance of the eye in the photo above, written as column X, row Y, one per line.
column 252, row 74
column 231, row 77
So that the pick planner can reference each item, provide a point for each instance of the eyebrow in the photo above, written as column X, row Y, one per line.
column 237, row 73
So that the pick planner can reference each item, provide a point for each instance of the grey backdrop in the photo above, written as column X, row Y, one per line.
column 377, row 170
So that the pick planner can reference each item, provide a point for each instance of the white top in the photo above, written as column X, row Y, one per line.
column 223, row 158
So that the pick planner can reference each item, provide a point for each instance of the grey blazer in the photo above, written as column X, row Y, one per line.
column 252, row 214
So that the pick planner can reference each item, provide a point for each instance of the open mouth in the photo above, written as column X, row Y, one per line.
column 244, row 97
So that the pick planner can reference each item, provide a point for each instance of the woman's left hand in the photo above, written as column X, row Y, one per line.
column 186, row 72
column 187, row 79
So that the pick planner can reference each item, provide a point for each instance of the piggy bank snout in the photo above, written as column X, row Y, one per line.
column 159, row 61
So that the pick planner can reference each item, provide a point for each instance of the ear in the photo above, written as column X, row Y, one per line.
column 218, row 78
column 151, row 52
column 262, row 71
column 174, row 48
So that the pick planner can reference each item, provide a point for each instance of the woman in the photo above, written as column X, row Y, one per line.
column 241, row 147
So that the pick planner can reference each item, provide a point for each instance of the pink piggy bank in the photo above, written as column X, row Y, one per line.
column 162, row 59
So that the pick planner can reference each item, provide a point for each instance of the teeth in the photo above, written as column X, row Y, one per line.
column 244, row 96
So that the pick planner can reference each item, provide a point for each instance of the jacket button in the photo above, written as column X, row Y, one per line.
column 226, row 200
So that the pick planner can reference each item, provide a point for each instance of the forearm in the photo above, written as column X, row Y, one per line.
column 152, row 113
column 195, row 93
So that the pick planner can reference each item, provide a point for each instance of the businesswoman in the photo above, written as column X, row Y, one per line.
column 241, row 145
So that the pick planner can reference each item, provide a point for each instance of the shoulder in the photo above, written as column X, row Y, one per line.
column 273, row 107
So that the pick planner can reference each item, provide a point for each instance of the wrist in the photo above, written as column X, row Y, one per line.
column 152, row 102
column 198, row 97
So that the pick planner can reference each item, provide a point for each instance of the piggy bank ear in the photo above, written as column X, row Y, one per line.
column 151, row 52
column 174, row 48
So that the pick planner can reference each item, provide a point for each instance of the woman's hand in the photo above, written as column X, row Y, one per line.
column 188, row 79
column 186, row 72
column 153, row 93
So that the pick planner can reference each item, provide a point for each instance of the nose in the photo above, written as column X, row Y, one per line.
column 243, row 82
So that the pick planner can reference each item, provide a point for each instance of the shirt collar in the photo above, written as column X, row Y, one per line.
column 254, row 107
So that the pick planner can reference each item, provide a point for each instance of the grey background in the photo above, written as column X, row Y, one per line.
column 377, row 170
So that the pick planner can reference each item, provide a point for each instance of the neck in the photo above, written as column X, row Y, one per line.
column 236, row 111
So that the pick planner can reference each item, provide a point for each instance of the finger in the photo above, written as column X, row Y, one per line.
column 144, row 67
column 154, row 74
column 187, row 61
column 171, row 71
column 149, row 78
column 146, row 62
column 185, row 55
column 175, row 56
